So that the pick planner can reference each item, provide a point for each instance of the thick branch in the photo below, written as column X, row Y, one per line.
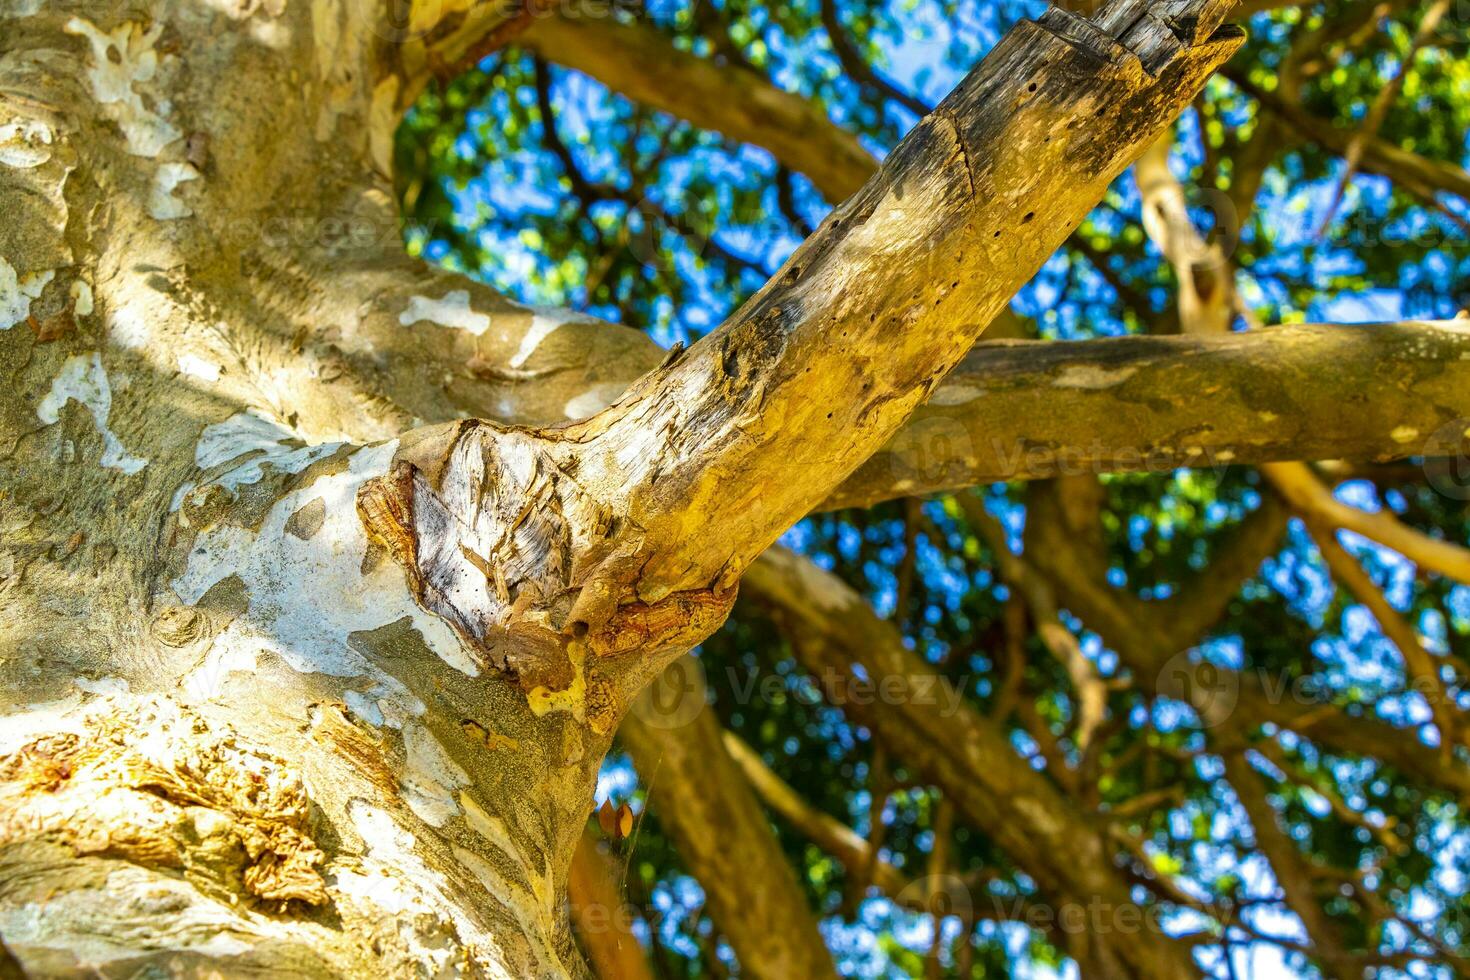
column 1028, row 410
column 642, row 63
column 705, row 805
column 838, row 638
column 753, row 426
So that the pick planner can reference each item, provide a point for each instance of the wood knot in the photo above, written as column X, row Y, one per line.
column 679, row 621
column 179, row 626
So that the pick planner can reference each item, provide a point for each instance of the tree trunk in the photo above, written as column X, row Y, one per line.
column 316, row 627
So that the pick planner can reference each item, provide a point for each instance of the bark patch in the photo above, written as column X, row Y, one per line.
column 152, row 784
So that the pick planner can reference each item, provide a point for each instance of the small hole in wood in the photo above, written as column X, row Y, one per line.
column 1029, row 215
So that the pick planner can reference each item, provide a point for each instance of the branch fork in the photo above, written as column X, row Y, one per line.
column 627, row 533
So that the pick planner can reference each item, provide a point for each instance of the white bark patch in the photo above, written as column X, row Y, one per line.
column 25, row 144
column 400, row 881
column 544, row 322
column 195, row 366
column 162, row 204
column 537, row 921
column 308, row 596
column 120, row 59
column 592, row 401
column 17, row 292
column 956, row 394
column 431, row 777
column 129, row 329
column 81, row 297
column 535, row 904
column 127, row 904
column 83, row 380
column 102, row 685
column 363, row 707
column 451, row 310
column 266, row 440
column 1093, row 377
column 245, row 9
column 20, row 727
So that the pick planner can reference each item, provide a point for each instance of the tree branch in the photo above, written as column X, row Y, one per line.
column 1378, row 111
column 1088, row 688
column 602, row 915
column 1289, row 867
column 1171, row 627
column 856, row 65
column 1300, row 486
column 752, row 427
column 1421, row 672
column 839, row 639
column 829, row 833
column 750, row 888
column 1028, row 410
column 1206, row 288
column 641, row 62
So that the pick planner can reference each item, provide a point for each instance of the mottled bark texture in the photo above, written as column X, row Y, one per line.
column 315, row 625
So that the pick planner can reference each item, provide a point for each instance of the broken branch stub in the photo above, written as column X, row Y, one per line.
column 627, row 533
